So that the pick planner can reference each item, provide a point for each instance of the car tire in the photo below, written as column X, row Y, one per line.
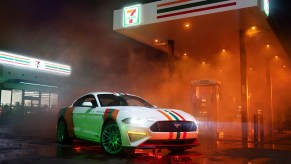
column 62, row 132
column 111, row 139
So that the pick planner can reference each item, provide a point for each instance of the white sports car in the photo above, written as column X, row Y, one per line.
column 122, row 121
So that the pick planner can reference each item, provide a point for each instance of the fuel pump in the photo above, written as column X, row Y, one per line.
column 205, row 99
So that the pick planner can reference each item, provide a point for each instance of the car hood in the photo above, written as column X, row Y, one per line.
column 156, row 113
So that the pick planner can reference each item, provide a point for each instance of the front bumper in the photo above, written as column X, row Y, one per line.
column 155, row 144
column 143, row 137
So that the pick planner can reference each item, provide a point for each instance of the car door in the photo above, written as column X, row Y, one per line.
column 93, row 117
column 95, row 120
column 80, row 120
column 103, row 101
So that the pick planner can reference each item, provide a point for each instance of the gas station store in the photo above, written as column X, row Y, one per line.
column 29, row 84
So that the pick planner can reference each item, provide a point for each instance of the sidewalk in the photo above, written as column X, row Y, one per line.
column 37, row 125
column 280, row 141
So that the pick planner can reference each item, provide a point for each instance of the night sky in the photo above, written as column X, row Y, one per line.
column 34, row 26
column 279, row 19
column 80, row 34
column 40, row 21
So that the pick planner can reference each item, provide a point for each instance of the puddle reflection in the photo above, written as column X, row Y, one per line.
column 95, row 152
column 208, row 153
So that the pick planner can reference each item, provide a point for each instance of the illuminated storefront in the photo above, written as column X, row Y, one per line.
column 29, row 83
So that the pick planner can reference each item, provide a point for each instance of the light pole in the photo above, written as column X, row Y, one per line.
column 269, row 99
column 244, row 87
column 268, row 112
column 170, row 66
column 244, row 79
column 171, row 49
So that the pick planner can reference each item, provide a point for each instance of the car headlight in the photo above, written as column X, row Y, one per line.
column 135, row 121
column 197, row 125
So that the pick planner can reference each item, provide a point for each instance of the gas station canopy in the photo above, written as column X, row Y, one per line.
column 198, row 28
column 201, row 29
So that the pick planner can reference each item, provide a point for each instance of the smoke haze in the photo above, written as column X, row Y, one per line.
column 81, row 36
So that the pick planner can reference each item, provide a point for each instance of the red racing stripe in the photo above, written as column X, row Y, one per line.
column 179, row 115
column 184, row 135
column 106, row 114
column 171, row 136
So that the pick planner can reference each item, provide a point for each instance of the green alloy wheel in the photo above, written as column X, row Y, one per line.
column 111, row 139
column 62, row 133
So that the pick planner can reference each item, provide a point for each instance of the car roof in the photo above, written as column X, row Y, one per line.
column 98, row 93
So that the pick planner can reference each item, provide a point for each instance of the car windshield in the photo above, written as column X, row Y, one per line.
column 122, row 100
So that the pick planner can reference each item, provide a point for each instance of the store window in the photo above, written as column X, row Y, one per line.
column 31, row 98
column 6, row 97
column 19, row 99
column 45, row 100
column 54, row 100
column 16, row 99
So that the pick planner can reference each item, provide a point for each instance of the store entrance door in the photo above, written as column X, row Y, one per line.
column 31, row 101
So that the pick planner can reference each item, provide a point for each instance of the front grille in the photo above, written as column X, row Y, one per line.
column 173, row 126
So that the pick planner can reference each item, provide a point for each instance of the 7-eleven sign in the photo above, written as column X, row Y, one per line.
column 267, row 7
column 131, row 15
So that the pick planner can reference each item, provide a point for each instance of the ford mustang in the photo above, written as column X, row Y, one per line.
column 120, row 122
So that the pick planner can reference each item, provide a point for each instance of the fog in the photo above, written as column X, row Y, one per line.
column 81, row 35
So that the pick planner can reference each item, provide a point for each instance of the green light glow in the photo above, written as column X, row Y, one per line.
column 36, row 64
column 267, row 7
column 42, row 85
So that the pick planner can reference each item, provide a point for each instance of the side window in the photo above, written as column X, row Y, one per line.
column 87, row 98
column 78, row 102
column 90, row 98
column 107, row 99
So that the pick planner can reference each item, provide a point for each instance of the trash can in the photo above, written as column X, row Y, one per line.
column 258, row 128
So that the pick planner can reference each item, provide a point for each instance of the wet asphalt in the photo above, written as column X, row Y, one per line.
column 31, row 139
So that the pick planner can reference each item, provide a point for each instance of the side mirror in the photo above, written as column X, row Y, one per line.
column 88, row 104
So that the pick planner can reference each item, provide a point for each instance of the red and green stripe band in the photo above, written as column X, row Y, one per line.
column 192, row 7
column 110, row 113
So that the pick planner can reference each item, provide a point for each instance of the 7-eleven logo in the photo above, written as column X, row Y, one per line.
column 131, row 16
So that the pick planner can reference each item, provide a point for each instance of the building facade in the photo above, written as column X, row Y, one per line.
column 29, row 84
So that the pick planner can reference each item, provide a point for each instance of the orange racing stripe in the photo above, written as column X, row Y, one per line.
column 114, row 114
column 171, row 135
column 184, row 133
column 168, row 117
column 69, row 121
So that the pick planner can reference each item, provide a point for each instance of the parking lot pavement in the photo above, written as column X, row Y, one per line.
column 39, row 150
column 28, row 141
